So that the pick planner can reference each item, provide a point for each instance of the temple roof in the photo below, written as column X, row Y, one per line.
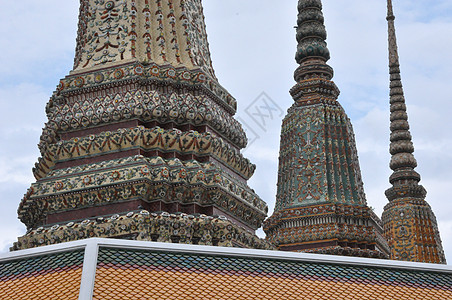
column 106, row 268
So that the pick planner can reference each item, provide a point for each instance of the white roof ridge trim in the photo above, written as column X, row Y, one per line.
column 225, row 251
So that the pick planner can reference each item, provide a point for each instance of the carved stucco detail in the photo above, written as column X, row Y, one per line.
column 165, row 32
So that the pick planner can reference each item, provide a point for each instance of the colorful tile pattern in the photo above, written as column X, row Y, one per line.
column 55, row 276
column 121, row 274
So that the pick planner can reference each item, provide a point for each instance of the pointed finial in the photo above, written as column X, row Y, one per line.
column 390, row 11
column 311, row 33
column 312, row 51
column 393, row 52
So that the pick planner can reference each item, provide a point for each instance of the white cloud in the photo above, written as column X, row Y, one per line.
column 8, row 236
column 445, row 228
column 22, row 106
column 23, row 117
column 33, row 33
column 12, row 170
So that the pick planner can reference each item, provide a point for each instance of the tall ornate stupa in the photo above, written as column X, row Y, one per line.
column 320, row 202
column 141, row 142
column 409, row 223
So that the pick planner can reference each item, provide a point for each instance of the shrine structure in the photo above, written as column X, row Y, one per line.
column 141, row 142
column 141, row 179
column 409, row 223
column 320, row 203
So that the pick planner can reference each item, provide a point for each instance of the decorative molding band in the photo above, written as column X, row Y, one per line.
column 143, row 178
column 165, row 140
column 145, row 75
column 145, row 226
column 99, row 109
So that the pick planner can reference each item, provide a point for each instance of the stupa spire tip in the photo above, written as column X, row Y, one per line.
column 312, row 50
column 311, row 32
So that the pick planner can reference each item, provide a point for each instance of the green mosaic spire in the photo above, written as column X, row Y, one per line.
column 320, row 203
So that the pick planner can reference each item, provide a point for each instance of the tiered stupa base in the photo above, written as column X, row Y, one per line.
column 162, row 227
column 335, row 229
column 412, row 231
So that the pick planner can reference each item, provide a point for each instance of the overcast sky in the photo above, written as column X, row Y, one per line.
column 253, row 44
